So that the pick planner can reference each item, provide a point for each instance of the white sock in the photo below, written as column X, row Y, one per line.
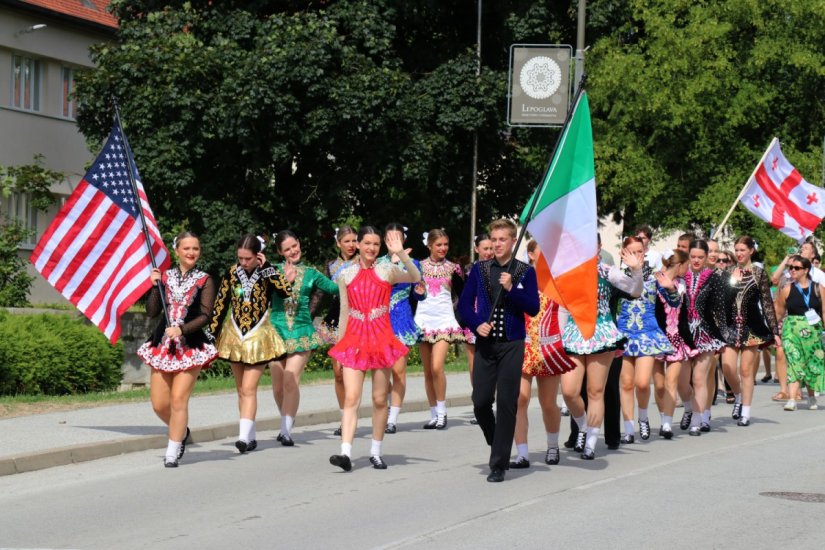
column 629, row 429
column 688, row 406
column 746, row 411
column 592, row 437
column 172, row 449
column 441, row 408
column 253, row 435
column 666, row 422
column 706, row 416
column 346, row 449
column 245, row 426
column 433, row 412
column 393, row 419
column 695, row 420
column 375, row 448
column 642, row 415
column 522, row 450
column 553, row 440
column 738, row 398
column 286, row 424
column 581, row 422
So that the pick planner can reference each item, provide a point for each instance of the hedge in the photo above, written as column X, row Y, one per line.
column 55, row 355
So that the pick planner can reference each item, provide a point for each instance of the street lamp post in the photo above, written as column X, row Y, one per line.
column 473, row 208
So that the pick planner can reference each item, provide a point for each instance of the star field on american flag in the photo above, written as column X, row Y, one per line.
column 110, row 174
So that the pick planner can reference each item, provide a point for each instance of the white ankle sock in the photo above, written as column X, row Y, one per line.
column 629, row 429
column 688, row 406
column 522, row 450
column 441, row 408
column 253, row 435
column 375, row 448
column 746, row 411
column 553, row 439
column 393, row 418
column 592, row 437
column 581, row 422
column 245, row 426
column 346, row 449
column 172, row 449
column 433, row 412
column 286, row 424
column 706, row 416
column 667, row 421
column 642, row 415
column 696, row 420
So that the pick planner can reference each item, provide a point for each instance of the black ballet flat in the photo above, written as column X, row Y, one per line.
column 551, row 457
column 744, row 421
column 337, row 431
column 588, row 454
column 685, row 422
column 378, row 462
column 342, row 461
column 251, row 446
column 430, row 425
column 580, row 439
column 391, row 428
column 667, row 434
column 627, row 439
column 285, row 440
column 241, row 445
column 170, row 463
column 441, row 423
column 183, row 443
column 704, row 427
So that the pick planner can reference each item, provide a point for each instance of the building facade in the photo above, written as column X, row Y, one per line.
column 44, row 44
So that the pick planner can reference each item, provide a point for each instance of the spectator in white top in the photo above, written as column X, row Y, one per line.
column 652, row 258
column 808, row 251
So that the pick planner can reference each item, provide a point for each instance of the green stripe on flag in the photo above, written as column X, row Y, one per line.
column 572, row 165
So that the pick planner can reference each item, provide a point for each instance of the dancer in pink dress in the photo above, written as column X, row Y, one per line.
column 366, row 339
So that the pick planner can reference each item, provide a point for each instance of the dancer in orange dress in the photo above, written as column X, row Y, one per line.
column 544, row 360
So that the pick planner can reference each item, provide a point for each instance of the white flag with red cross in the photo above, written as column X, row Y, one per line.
column 777, row 193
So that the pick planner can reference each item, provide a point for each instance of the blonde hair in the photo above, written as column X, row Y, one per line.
column 505, row 224
column 434, row 235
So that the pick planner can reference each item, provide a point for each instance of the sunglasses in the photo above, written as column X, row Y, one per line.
column 723, row 261
column 795, row 268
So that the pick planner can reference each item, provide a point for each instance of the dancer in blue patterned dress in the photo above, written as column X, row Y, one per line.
column 403, row 325
column 646, row 342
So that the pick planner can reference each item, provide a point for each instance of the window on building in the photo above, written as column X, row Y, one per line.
column 19, row 208
column 25, row 82
column 69, row 102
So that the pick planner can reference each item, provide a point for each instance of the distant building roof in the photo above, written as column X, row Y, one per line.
column 89, row 11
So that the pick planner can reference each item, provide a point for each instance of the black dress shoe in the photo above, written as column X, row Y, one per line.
column 667, row 434
column 170, row 463
column 736, row 414
column 496, row 475
column 628, row 439
column 342, row 461
column 378, row 462
column 579, row 447
column 390, row 429
column 520, row 463
column 744, row 421
column 441, row 422
column 337, row 431
column 552, row 456
column 685, row 423
column 704, row 427
column 183, row 443
column 430, row 425
column 285, row 440
column 241, row 445
column 588, row 454
column 252, row 445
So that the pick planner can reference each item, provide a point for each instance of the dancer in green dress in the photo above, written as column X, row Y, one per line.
column 292, row 319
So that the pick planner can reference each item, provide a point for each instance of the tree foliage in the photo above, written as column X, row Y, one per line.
column 257, row 116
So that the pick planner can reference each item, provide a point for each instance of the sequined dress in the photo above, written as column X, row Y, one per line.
column 743, row 309
column 637, row 321
column 435, row 315
column 697, row 287
column 543, row 350
column 607, row 336
column 291, row 316
column 368, row 342
column 189, row 298
column 401, row 315
column 672, row 313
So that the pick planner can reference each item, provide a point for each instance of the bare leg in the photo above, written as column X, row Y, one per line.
column 426, row 350
column 548, row 388
column 627, row 386
column 672, row 375
column 439, row 357
column 598, row 367
column 182, row 385
column 644, row 371
column 782, row 371
column 353, row 386
column 470, row 349
column 337, row 371
column 246, row 383
column 160, row 392
column 399, row 381
column 293, row 369
column 729, row 359
column 747, row 370
column 702, row 364
column 660, row 389
column 521, row 412
column 276, row 369
column 380, row 390
column 571, row 387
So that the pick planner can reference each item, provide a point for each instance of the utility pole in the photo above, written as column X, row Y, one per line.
column 473, row 208
column 580, row 43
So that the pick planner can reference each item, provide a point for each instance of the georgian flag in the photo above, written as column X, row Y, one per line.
column 777, row 193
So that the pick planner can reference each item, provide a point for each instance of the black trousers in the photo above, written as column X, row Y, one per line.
column 497, row 375
column 612, row 407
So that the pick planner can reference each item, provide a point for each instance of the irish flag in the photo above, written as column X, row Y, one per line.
column 564, row 223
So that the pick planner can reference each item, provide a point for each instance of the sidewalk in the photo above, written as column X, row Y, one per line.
column 41, row 441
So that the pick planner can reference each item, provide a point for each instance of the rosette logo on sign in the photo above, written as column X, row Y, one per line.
column 539, row 85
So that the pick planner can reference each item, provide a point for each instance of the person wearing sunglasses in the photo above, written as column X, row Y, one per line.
column 801, row 299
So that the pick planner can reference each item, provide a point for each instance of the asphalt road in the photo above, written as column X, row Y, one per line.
column 691, row 492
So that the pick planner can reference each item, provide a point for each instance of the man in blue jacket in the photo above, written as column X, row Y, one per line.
column 499, row 326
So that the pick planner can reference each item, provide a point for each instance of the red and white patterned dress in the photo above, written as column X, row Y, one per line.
column 189, row 301
column 543, row 349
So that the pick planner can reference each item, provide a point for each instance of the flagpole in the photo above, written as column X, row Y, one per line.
column 144, row 227
column 535, row 198
column 742, row 192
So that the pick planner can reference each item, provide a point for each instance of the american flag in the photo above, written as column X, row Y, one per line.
column 94, row 252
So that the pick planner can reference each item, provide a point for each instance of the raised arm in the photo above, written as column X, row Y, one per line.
column 395, row 245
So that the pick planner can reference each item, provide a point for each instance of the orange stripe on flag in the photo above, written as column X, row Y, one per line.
column 577, row 291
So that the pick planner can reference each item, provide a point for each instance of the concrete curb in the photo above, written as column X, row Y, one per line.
column 75, row 454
